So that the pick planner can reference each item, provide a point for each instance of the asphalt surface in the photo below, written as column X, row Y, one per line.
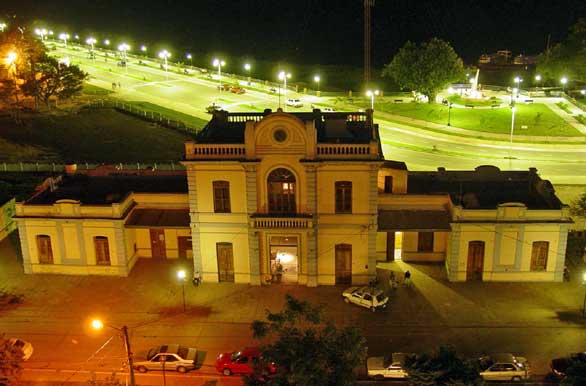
column 420, row 149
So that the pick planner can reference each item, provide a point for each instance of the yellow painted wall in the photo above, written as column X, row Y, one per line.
column 410, row 244
column 326, row 192
column 106, row 229
column 327, row 240
column 234, row 174
column 238, row 236
column 399, row 180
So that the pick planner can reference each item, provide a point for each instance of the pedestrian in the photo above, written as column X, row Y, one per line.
column 407, row 279
column 119, row 86
column 196, row 278
column 113, row 86
column 392, row 281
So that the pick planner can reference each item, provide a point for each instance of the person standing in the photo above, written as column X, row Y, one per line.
column 196, row 278
column 392, row 280
column 407, row 279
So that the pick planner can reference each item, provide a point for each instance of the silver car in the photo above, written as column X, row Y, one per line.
column 392, row 366
column 168, row 357
column 368, row 297
column 504, row 367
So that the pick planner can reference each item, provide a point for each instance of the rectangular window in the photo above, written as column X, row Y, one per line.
column 44, row 249
column 539, row 254
column 343, row 197
column 221, row 196
column 102, row 250
column 388, row 184
column 425, row 242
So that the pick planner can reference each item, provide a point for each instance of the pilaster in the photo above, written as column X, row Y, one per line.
column 311, row 175
column 194, row 219
column 251, row 207
column 24, row 247
column 561, row 253
column 373, row 223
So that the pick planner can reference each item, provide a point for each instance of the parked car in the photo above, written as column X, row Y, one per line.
column 237, row 90
column 504, row 367
column 240, row 362
column 122, row 63
column 294, row 102
column 172, row 357
column 392, row 366
column 273, row 90
column 213, row 108
column 22, row 345
column 223, row 87
column 328, row 110
column 560, row 365
column 368, row 297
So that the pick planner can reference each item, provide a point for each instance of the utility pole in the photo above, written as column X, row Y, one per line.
column 124, row 330
column 368, row 5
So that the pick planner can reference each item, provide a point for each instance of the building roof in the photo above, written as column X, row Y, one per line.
column 486, row 187
column 332, row 127
column 159, row 218
column 19, row 185
column 100, row 190
column 413, row 220
column 398, row 165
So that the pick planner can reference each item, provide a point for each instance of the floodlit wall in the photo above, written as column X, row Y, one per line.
column 410, row 251
column 327, row 240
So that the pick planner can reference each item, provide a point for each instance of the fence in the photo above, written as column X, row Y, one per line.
column 142, row 113
column 40, row 167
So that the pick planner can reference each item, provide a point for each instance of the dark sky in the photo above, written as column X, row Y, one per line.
column 312, row 31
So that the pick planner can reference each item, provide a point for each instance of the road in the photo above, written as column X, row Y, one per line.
column 421, row 150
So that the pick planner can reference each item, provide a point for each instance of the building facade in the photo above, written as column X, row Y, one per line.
column 297, row 198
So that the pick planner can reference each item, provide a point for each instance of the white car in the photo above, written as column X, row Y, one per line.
column 328, row 110
column 168, row 357
column 294, row 102
column 387, row 367
column 368, row 297
column 504, row 367
column 24, row 346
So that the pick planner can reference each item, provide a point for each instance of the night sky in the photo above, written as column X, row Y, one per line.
column 311, row 31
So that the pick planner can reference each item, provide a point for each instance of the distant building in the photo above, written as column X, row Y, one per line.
column 505, row 58
column 304, row 198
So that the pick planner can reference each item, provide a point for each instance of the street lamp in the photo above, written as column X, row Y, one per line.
column 91, row 41
column 181, row 275
column 123, row 47
column 165, row 55
column 2, row 26
column 449, row 113
column 563, row 81
column 42, row 32
column 513, row 109
column 372, row 94
column 219, row 63
column 107, row 42
column 97, row 324
column 518, row 81
column 538, row 79
column 247, row 67
column 64, row 37
column 316, row 79
column 190, row 57
column 284, row 76
column 583, row 92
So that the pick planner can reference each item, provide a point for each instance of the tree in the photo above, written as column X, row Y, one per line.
column 10, row 363
column 566, row 58
column 111, row 380
column 575, row 374
column 426, row 68
column 53, row 78
column 307, row 350
column 442, row 367
column 578, row 207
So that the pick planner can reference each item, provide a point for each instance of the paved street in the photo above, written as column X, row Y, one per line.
column 539, row 321
column 420, row 149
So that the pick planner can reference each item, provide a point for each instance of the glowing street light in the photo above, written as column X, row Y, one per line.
column 91, row 41
column 248, row 67
column 283, row 76
column 143, row 48
column 64, row 37
column 513, row 109
column 165, row 55
column 583, row 92
column 316, row 79
column 2, row 26
column 219, row 63
column 515, row 90
column 181, row 275
column 372, row 94
column 190, row 57
column 11, row 58
column 42, row 32
column 538, row 79
column 97, row 324
column 107, row 42
column 563, row 81
column 123, row 47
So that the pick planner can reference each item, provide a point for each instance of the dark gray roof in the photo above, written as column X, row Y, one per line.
column 486, row 187
column 165, row 218
column 398, row 165
column 97, row 190
column 413, row 220
column 332, row 127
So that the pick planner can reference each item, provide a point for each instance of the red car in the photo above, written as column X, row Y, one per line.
column 240, row 362
column 237, row 90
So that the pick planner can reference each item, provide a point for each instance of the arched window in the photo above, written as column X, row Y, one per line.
column 281, row 189
column 102, row 250
column 44, row 249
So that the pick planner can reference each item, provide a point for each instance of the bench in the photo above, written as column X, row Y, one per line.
column 398, row 100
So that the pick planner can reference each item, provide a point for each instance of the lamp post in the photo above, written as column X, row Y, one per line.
column 513, row 109
column 42, row 32
column 449, row 113
column 106, row 42
column 98, row 325
column 247, row 67
column 181, row 275
column 518, row 81
column 219, row 63
column 64, row 37
column 563, row 81
column 283, row 76
column 165, row 55
column 91, row 41
column 583, row 92
column 2, row 26
column 123, row 47
column 190, row 57
column 372, row 94
column 538, row 79
column 316, row 79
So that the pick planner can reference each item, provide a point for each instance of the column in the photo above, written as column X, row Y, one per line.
column 373, row 223
column 251, row 208
column 24, row 247
column 561, row 253
column 311, row 174
column 194, row 220
column 123, row 265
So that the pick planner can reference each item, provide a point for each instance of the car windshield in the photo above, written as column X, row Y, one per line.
column 235, row 355
column 380, row 298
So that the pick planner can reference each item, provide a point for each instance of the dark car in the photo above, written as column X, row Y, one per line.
column 224, row 87
column 559, row 366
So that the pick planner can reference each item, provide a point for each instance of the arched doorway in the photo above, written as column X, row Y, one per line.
column 281, row 191
column 475, row 260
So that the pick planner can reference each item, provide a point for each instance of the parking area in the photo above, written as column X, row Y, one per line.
column 536, row 320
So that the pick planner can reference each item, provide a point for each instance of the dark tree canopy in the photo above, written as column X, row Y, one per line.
column 575, row 374
column 578, row 207
column 307, row 350
column 10, row 363
column 443, row 367
column 567, row 58
column 426, row 68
